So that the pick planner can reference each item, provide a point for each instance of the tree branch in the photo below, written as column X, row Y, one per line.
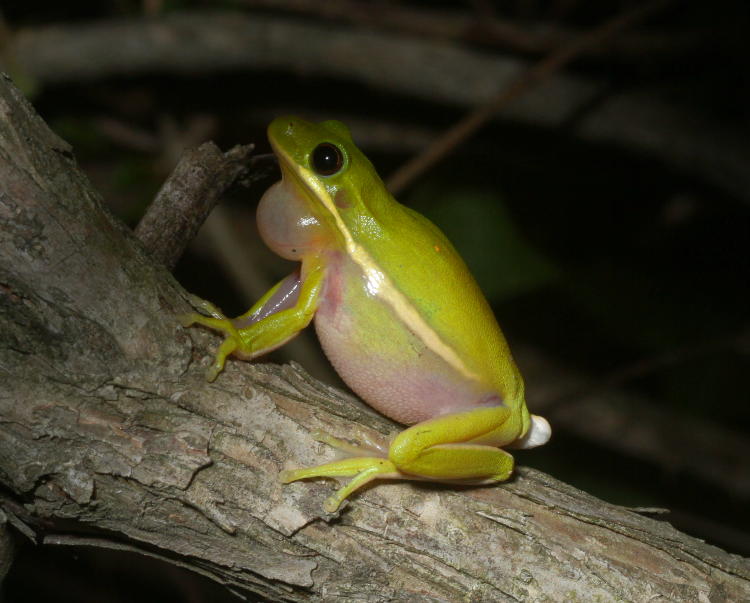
column 656, row 119
column 187, row 197
column 109, row 436
column 487, row 29
column 534, row 76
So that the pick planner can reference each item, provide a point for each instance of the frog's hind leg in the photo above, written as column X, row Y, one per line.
column 459, row 447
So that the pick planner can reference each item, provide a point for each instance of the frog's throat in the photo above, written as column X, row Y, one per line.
column 378, row 282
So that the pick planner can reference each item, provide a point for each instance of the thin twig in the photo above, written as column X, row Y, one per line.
column 483, row 26
column 541, row 70
column 187, row 197
column 624, row 375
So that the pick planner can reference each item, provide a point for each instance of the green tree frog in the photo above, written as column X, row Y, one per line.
column 397, row 312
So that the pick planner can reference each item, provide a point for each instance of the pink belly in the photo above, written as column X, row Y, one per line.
column 386, row 364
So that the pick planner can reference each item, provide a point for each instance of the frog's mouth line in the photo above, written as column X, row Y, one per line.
column 305, row 182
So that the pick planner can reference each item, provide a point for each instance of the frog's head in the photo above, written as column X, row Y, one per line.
column 321, row 159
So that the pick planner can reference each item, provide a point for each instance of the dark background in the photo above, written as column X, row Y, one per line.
column 615, row 254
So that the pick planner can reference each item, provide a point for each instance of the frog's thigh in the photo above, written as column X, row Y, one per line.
column 442, row 448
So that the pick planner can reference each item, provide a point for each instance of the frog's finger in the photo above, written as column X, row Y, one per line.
column 226, row 348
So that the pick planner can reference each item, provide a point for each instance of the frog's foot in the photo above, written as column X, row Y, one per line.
column 365, row 463
column 363, row 470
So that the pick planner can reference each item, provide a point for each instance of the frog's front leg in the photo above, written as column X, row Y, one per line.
column 458, row 448
column 286, row 309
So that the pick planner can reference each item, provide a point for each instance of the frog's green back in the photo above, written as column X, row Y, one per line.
column 425, row 267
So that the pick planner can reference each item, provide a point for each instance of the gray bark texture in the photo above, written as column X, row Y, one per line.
column 110, row 437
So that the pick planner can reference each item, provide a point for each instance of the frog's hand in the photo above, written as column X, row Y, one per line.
column 443, row 449
column 286, row 309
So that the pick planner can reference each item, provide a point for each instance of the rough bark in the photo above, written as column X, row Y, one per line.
column 656, row 119
column 110, row 437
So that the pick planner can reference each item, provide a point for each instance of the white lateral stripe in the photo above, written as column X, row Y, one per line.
column 385, row 289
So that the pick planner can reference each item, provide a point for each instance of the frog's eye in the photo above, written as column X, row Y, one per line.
column 327, row 159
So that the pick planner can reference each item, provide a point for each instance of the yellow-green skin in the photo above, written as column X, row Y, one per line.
column 397, row 312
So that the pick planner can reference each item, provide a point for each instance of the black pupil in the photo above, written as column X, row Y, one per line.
column 327, row 159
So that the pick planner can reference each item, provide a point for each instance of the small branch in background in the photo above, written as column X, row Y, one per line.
column 652, row 364
column 438, row 24
column 175, row 137
column 483, row 26
column 187, row 197
column 554, row 62
column 127, row 136
column 169, row 141
column 152, row 8
column 653, row 118
column 607, row 414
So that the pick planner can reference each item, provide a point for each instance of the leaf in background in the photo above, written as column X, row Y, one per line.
column 479, row 225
